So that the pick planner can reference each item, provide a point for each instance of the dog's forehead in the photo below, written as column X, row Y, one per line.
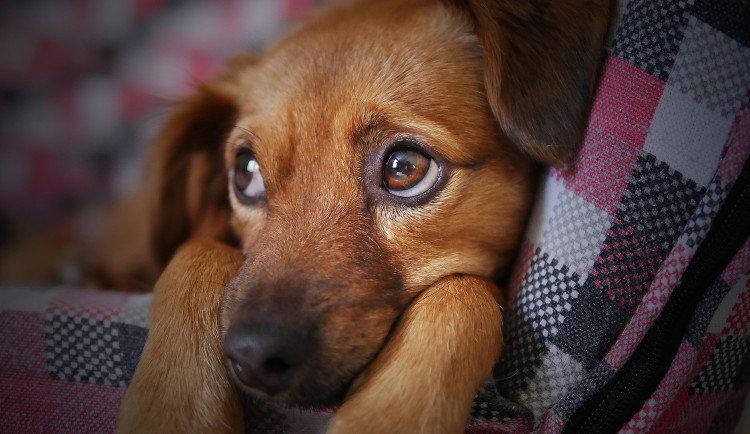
column 366, row 39
column 417, row 61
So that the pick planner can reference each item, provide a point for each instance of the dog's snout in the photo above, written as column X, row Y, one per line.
column 267, row 356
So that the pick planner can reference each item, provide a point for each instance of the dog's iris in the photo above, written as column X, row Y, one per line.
column 248, row 182
column 408, row 172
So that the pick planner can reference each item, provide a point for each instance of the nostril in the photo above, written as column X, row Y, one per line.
column 244, row 374
column 237, row 368
column 277, row 366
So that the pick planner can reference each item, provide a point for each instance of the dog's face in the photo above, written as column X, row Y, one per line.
column 363, row 161
column 365, row 165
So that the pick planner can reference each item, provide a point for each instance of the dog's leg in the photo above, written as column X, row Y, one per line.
column 424, row 379
column 180, row 384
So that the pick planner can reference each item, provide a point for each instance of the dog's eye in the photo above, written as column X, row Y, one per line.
column 408, row 172
column 248, row 183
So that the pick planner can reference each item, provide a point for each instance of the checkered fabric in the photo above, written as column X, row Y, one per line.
column 614, row 231
column 610, row 238
column 66, row 357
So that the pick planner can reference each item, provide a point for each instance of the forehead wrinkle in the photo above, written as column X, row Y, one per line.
column 312, row 158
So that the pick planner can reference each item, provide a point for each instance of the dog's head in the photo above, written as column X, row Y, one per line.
column 379, row 148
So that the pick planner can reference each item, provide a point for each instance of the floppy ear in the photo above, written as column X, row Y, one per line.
column 542, row 58
column 190, row 196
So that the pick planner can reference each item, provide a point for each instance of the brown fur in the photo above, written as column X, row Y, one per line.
column 187, row 390
column 397, row 295
column 314, row 168
column 438, row 393
column 540, row 73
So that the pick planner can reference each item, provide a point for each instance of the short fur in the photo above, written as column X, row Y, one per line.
column 396, row 298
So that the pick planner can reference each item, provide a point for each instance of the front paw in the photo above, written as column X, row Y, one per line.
column 425, row 378
column 181, row 384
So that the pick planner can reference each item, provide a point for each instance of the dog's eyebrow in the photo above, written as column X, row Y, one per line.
column 252, row 135
column 366, row 128
column 374, row 128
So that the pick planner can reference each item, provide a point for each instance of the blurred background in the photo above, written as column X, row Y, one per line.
column 84, row 85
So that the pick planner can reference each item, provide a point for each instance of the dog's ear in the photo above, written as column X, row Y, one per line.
column 189, row 196
column 542, row 58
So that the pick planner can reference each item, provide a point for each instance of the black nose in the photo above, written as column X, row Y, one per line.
column 266, row 356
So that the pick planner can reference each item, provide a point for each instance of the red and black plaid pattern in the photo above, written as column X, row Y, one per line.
column 67, row 357
column 614, row 231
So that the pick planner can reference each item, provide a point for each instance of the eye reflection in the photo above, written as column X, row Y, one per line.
column 246, row 178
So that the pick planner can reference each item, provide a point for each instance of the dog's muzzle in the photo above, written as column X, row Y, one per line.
column 266, row 356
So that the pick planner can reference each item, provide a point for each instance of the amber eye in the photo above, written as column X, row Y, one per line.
column 408, row 172
column 248, row 183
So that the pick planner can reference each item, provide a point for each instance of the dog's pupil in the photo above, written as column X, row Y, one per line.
column 402, row 169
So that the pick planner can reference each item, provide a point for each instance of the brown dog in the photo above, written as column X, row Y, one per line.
column 378, row 175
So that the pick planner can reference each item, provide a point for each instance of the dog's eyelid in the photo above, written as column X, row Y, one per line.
column 421, row 144
column 244, row 134
column 240, row 144
column 241, row 139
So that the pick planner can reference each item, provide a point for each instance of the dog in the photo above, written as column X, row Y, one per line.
column 374, row 170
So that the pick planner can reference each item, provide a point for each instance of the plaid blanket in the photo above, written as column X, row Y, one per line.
column 614, row 234
column 67, row 356
column 607, row 251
